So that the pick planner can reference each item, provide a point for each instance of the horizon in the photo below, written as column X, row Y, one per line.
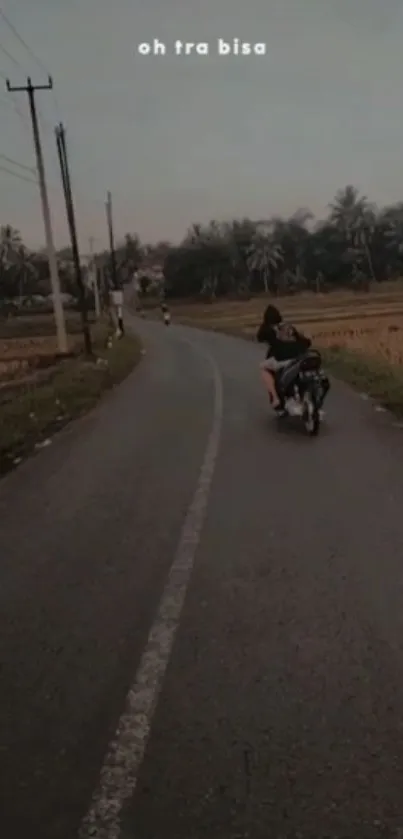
column 181, row 140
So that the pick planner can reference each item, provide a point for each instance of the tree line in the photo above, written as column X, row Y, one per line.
column 355, row 245
column 25, row 276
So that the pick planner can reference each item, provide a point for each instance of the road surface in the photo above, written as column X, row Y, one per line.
column 225, row 596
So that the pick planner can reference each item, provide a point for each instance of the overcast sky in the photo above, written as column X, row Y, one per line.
column 180, row 139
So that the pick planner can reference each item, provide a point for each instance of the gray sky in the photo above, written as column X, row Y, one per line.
column 185, row 139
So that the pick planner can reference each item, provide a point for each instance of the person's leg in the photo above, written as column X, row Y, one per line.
column 267, row 373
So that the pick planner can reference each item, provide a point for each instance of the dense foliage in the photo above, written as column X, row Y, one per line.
column 355, row 245
column 25, row 278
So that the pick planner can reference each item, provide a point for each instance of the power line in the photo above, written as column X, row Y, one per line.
column 5, row 103
column 45, row 124
column 30, row 51
column 15, row 163
column 31, row 89
column 24, row 43
column 10, row 57
column 53, row 188
column 17, row 175
column 14, row 104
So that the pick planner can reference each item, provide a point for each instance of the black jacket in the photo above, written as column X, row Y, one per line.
column 284, row 341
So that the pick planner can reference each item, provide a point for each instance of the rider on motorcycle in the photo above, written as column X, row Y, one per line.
column 284, row 345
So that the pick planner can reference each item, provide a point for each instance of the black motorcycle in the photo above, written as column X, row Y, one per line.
column 302, row 387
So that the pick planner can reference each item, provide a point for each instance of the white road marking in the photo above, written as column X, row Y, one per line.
column 125, row 754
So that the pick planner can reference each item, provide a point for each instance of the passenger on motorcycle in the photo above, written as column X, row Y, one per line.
column 284, row 345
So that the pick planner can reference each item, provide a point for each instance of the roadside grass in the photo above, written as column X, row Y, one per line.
column 32, row 413
column 383, row 382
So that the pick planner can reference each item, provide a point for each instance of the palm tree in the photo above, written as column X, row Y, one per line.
column 132, row 247
column 25, row 269
column 392, row 221
column 355, row 218
column 129, row 256
column 264, row 256
column 10, row 242
column 362, row 237
column 347, row 208
column 238, row 237
column 206, row 248
column 15, row 260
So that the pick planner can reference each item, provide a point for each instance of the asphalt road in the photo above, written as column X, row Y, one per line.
column 268, row 701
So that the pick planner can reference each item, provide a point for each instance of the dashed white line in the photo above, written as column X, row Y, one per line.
column 125, row 754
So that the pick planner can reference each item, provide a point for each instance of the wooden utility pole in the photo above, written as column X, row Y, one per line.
column 65, row 173
column 30, row 89
column 94, row 272
column 114, row 276
column 117, row 292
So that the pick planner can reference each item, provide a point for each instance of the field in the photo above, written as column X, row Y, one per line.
column 39, row 392
column 28, row 343
column 361, row 335
column 371, row 324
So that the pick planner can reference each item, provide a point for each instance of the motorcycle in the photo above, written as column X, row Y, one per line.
column 302, row 387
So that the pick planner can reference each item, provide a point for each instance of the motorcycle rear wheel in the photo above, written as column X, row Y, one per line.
column 311, row 416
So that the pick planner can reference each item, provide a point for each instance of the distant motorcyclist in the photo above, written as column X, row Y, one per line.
column 166, row 314
column 284, row 344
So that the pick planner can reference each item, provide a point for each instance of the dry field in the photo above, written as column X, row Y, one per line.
column 22, row 357
column 371, row 324
column 29, row 343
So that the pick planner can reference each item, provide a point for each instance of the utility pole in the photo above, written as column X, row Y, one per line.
column 65, row 173
column 54, row 274
column 109, row 219
column 117, row 292
column 94, row 271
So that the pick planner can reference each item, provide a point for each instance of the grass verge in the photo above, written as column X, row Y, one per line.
column 380, row 380
column 30, row 415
